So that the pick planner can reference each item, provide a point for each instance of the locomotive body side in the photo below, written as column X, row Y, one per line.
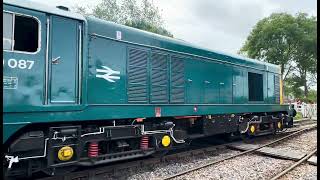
column 172, row 75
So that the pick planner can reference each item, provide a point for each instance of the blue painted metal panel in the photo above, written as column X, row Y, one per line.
column 277, row 89
column 65, row 54
column 212, row 83
column 194, row 81
column 239, row 86
column 265, row 87
column 107, row 59
column 224, row 73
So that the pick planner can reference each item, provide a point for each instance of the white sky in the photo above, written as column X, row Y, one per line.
column 215, row 24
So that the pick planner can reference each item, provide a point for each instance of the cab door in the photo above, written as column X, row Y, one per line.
column 64, row 60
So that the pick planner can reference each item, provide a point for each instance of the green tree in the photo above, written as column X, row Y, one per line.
column 305, row 53
column 108, row 10
column 292, row 87
column 145, row 16
column 143, row 25
column 132, row 11
column 271, row 40
column 312, row 96
column 289, row 41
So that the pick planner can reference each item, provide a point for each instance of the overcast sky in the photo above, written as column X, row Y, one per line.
column 215, row 24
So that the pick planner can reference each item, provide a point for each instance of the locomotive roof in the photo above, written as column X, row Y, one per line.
column 43, row 8
column 108, row 30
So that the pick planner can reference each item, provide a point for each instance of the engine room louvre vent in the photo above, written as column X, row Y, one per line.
column 277, row 89
column 177, row 90
column 137, row 69
column 159, row 78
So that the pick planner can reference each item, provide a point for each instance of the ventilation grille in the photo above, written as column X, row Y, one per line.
column 277, row 89
column 137, row 76
column 177, row 80
column 159, row 78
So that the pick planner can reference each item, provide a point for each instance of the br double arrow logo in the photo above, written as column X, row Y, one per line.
column 108, row 74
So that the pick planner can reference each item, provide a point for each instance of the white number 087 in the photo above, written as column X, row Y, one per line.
column 21, row 64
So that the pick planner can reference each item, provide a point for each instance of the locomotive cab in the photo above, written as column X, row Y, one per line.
column 43, row 70
column 42, row 59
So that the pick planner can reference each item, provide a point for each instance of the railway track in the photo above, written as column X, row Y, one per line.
column 239, row 154
column 116, row 170
column 302, row 160
column 304, row 122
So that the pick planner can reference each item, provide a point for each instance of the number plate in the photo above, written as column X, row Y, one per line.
column 10, row 82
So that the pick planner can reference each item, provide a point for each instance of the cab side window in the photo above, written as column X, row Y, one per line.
column 7, row 31
column 20, row 33
column 255, row 86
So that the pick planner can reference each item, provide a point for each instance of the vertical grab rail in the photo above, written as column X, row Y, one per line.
column 46, row 89
column 80, row 65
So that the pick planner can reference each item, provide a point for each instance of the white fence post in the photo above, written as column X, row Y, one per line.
column 307, row 110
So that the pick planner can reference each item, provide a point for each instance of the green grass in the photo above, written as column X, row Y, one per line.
column 298, row 116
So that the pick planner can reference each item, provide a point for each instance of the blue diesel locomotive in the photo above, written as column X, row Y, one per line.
column 80, row 91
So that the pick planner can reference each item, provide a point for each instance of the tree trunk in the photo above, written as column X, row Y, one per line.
column 282, row 71
column 305, row 84
column 306, row 92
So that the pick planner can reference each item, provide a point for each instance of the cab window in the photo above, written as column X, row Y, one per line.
column 255, row 86
column 20, row 33
column 7, row 31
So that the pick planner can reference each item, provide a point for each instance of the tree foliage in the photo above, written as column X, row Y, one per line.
column 312, row 96
column 306, row 51
column 108, row 10
column 288, row 41
column 145, row 16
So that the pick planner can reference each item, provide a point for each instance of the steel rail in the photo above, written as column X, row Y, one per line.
column 236, row 155
column 294, row 165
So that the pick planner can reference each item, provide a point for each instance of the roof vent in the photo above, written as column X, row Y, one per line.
column 63, row 8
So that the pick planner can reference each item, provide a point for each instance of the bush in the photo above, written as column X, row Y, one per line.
column 298, row 116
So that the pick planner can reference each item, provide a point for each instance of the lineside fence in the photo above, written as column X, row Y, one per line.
column 307, row 110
